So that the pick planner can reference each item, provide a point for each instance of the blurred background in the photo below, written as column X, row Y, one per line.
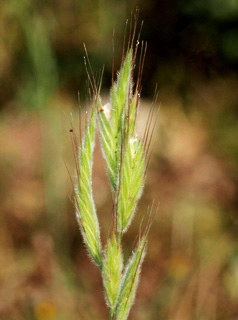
column 191, row 267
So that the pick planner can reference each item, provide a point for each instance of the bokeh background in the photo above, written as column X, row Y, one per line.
column 191, row 267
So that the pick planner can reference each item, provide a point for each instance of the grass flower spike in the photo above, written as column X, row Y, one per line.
column 126, row 160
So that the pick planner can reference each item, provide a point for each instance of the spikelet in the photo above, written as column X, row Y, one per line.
column 129, row 282
column 131, row 183
column 111, row 130
column 112, row 271
column 119, row 94
column 85, row 208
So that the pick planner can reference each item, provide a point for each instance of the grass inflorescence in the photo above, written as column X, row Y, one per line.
column 126, row 156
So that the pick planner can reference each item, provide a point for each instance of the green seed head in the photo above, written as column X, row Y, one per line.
column 126, row 159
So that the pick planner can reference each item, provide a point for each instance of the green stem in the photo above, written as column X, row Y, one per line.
column 111, row 314
column 119, row 238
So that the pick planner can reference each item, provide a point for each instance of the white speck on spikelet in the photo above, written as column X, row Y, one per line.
column 107, row 110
